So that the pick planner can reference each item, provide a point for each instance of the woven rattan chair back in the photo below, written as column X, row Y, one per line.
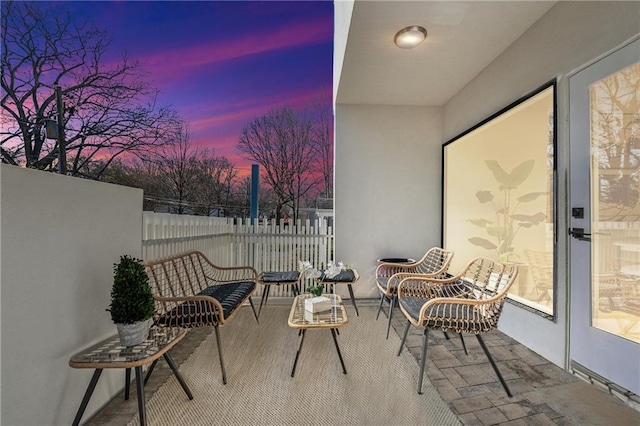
column 176, row 277
column 483, row 285
column 435, row 263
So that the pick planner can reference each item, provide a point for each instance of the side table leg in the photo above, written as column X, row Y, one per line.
column 127, row 383
column 149, row 371
column 295, row 362
column 253, row 308
column 353, row 299
column 87, row 396
column 333, row 333
column 263, row 299
column 141, row 402
column 176, row 373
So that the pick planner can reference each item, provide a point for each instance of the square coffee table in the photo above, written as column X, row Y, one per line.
column 303, row 320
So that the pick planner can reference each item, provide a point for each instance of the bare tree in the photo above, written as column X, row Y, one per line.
column 216, row 176
column 280, row 142
column 321, row 112
column 617, row 143
column 108, row 109
column 180, row 167
column 138, row 173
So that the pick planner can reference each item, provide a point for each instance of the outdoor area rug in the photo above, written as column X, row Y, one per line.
column 380, row 387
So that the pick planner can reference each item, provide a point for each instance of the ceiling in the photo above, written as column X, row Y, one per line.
column 463, row 38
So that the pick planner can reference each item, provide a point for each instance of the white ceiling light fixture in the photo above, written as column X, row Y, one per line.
column 410, row 37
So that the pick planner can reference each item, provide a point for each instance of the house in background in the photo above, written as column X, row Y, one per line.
column 394, row 109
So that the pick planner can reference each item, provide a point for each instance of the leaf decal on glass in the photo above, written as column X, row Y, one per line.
column 482, row 242
column 513, row 179
column 484, row 196
column 480, row 222
column 531, row 196
column 498, row 172
column 534, row 219
column 520, row 174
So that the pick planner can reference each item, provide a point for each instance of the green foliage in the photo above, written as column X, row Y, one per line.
column 316, row 289
column 131, row 298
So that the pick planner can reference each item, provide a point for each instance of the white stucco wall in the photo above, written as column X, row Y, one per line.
column 343, row 9
column 60, row 237
column 570, row 35
column 387, row 192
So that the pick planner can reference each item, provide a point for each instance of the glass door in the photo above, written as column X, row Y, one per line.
column 604, row 117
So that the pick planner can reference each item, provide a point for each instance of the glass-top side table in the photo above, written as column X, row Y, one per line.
column 332, row 319
column 110, row 353
column 269, row 278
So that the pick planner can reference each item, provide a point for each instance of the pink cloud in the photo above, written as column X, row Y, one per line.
column 240, row 114
column 177, row 63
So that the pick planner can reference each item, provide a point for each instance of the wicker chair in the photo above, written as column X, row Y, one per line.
column 541, row 267
column 434, row 264
column 470, row 302
column 630, row 292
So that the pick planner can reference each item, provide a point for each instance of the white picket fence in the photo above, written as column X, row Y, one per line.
column 265, row 245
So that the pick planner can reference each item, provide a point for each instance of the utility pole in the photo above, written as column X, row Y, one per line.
column 62, row 149
column 255, row 177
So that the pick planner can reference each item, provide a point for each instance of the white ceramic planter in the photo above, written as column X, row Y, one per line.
column 134, row 334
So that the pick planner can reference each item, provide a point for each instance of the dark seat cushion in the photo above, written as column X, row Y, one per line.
column 396, row 260
column 280, row 277
column 383, row 282
column 447, row 316
column 343, row 277
column 194, row 314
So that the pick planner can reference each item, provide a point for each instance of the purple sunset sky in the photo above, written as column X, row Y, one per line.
column 222, row 63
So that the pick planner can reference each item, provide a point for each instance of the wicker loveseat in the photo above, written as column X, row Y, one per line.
column 190, row 291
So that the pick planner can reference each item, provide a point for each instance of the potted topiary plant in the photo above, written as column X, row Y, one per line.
column 132, row 304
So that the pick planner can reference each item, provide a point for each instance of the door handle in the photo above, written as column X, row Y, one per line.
column 579, row 234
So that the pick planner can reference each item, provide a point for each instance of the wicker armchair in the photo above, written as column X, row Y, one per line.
column 434, row 264
column 470, row 302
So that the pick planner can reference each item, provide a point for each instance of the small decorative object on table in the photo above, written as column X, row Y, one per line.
column 336, row 273
column 132, row 304
column 317, row 304
column 308, row 270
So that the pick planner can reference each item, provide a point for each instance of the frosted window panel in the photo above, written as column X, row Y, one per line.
column 498, row 196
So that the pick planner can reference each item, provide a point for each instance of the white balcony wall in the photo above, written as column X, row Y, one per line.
column 569, row 36
column 388, row 185
column 59, row 239
column 343, row 12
